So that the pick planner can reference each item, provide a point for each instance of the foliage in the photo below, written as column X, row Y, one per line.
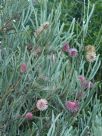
column 50, row 74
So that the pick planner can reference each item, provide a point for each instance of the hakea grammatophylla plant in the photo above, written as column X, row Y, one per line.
column 90, row 53
column 42, row 104
column 72, row 106
column 72, row 52
column 43, row 27
column 85, row 83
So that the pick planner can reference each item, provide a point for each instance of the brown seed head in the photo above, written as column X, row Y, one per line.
column 90, row 48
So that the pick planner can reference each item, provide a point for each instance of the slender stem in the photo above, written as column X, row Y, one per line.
column 9, row 90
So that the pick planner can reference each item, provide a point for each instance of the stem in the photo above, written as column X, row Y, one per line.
column 8, row 91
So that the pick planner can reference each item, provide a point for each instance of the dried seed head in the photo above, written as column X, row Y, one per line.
column 90, row 48
column 90, row 57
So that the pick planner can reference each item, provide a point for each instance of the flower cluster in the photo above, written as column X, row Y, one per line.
column 72, row 52
column 90, row 53
column 42, row 104
column 71, row 105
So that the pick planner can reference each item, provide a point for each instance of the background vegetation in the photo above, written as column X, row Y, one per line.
column 50, row 73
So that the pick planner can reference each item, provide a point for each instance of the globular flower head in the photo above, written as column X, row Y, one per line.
column 23, row 68
column 72, row 106
column 29, row 115
column 73, row 52
column 42, row 104
column 65, row 47
column 90, row 57
column 90, row 53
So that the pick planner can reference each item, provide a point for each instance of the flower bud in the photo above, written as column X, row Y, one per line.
column 29, row 115
column 23, row 68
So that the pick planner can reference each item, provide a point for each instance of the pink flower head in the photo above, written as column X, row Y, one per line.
column 29, row 115
column 42, row 104
column 72, row 106
column 23, row 68
column 73, row 52
column 65, row 47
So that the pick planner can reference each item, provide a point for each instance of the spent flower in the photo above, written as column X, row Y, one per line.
column 91, row 57
column 90, row 53
column 90, row 48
